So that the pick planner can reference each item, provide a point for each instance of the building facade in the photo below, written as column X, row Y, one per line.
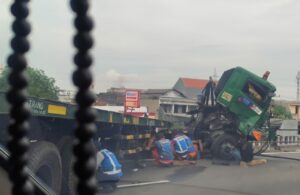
column 66, row 95
column 168, row 104
column 115, row 97
column 288, row 133
column 295, row 109
column 175, row 104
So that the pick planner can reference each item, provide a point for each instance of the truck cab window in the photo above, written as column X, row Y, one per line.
column 255, row 92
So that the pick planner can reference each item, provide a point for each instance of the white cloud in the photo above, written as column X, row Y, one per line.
column 118, row 79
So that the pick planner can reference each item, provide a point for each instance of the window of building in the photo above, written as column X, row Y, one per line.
column 166, row 108
column 180, row 108
column 192, row 108
column 297, row 110
column 286, row 140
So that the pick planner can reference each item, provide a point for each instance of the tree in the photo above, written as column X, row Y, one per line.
column 40, row 85
column 281, row 112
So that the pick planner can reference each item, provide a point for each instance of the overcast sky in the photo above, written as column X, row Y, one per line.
column 151, row 43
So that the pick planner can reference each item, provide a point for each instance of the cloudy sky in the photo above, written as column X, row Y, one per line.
column 150, row 43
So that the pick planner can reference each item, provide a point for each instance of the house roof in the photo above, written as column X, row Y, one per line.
column 194, row 83
column 190, row 88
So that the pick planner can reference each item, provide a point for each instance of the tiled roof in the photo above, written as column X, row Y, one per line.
column 194, row 83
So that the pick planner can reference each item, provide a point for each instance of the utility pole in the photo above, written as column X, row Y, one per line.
column 298, row 86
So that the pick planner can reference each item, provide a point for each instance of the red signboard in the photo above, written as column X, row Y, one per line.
column 132, row 99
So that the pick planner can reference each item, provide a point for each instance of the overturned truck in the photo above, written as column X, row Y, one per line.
column 238, row 111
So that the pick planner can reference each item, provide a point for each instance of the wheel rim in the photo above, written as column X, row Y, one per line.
column 226, row 149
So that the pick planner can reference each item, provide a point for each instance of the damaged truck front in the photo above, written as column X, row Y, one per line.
column 240, row 114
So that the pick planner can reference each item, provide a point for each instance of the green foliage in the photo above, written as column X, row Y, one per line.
column 3, row 80
column 281, row 112
column 40, row 85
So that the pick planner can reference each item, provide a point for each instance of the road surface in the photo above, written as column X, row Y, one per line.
column 278, row 177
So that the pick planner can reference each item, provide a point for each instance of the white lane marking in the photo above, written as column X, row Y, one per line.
column 143, row 184
column 281, row 153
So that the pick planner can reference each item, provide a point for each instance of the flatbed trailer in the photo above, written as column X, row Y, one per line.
column 51, row 137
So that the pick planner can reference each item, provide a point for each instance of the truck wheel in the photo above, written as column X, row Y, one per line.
column 69, row 179
column 45, row 162
column 223, row 145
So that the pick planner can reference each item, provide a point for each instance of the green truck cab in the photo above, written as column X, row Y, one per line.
column 237, row 113
column 246, row 95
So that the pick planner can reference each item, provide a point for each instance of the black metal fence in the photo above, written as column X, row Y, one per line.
column 19, row 114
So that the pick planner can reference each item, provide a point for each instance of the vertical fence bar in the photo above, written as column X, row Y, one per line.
column 19, row 113
column 84, row 150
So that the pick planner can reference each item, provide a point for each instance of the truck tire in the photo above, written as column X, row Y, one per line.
column 69, row 179
column 45, row 162
column 222, row 146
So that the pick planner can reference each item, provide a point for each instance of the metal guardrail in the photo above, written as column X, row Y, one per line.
column 280, row 142
column 288, row 141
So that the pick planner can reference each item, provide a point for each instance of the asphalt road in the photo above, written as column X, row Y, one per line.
column 277, row 177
